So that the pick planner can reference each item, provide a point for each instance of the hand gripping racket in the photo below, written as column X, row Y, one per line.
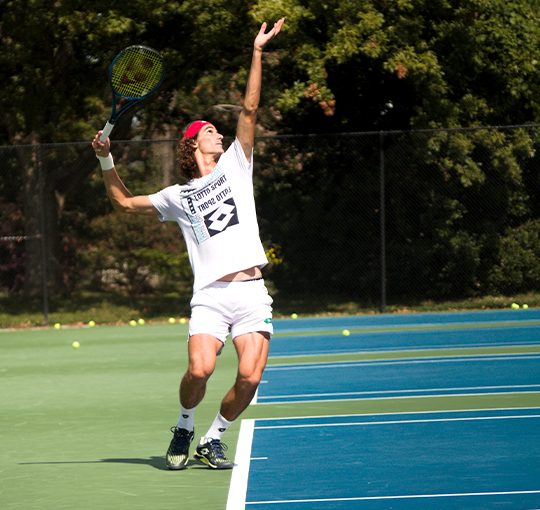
column 134, row 74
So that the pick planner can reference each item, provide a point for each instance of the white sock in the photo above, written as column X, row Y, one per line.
column 186, row 419
column 218, row 428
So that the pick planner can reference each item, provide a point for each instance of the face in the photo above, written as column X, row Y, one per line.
column 209, row 141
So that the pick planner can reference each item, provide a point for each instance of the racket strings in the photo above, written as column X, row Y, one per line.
column 136, row 73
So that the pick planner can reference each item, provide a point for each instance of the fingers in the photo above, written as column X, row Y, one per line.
column 278, row 25
column 275, row 29
column 100, row 148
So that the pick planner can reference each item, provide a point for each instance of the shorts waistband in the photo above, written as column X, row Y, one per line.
column 220, row 284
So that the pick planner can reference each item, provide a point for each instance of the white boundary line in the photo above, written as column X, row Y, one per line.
column 378, row 498
column 473, row 390
column 398, row 422
column 489, row 410
column 239, row 478
column 402, row 361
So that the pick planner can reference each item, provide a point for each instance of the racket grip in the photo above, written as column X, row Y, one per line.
column 106, row 131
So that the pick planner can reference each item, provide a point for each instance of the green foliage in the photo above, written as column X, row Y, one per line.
column 518, row 267
column 338, row 65
column 136, row 254
column 439, row 63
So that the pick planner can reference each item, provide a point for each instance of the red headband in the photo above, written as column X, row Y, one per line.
column 195, row 128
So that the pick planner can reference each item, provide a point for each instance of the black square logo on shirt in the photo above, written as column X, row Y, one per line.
column 222, row 218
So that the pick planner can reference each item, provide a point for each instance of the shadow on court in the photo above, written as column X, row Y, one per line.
column 155, row 462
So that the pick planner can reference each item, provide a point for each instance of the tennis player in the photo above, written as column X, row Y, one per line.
column 216, row 212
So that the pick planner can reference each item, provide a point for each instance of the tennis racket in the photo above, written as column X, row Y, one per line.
column 134, row 74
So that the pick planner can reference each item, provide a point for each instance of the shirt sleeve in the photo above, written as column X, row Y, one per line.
column 161, row 202
column 246, row 167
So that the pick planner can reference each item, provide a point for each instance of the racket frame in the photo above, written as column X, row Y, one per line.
column 131, row 100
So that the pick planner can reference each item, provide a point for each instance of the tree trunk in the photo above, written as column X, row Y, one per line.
column 42, row 232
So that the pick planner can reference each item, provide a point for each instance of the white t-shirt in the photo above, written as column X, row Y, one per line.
column 217, row 216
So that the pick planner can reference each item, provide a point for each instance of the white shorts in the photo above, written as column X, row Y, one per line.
column 236, row 307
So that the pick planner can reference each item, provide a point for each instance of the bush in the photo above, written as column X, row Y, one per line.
column 136, row 254
column 518, row 269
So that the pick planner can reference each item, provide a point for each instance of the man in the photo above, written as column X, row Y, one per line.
column 216, row 212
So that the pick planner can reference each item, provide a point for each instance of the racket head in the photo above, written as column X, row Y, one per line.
column 136, row 72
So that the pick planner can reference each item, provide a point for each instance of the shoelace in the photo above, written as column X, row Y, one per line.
column 180, row 438
column 218, row 448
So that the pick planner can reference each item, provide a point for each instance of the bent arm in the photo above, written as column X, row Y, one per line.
column 245, row 131
column 121, row 199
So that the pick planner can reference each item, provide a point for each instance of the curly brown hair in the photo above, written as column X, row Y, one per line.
column 186, row 158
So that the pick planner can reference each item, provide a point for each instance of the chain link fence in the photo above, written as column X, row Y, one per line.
column 367, row 218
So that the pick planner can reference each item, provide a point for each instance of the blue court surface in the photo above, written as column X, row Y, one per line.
column 480, row 458
column 400, row 378
column 450, row 460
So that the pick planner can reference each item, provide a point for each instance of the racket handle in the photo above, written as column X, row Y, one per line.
column 106, row 131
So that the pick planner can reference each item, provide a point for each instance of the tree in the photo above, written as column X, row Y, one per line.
column 361, row 65
column 341, row 65
column 55, row 91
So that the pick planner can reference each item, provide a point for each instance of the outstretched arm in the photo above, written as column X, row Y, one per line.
column 245, row 131
column 122, row 200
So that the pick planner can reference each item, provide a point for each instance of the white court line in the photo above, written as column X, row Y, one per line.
column 393, row 397
column 255, row 397
column 239, row 478
column 411, row 392
column 378, row 498
column 490, row 410
column 397, row 422
column 415, row 361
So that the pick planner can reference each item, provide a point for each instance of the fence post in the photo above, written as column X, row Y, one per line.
column 43, row 239
column 383, row 223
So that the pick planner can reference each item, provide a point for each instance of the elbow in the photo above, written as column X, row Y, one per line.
column 250, row 109
column 120, row 206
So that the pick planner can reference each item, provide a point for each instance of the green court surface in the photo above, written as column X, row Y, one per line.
column 88, row 428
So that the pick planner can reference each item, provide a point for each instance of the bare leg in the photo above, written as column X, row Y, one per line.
column 252, row 350
column 202, row 350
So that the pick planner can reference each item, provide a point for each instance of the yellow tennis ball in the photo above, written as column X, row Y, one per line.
column 515, row 305
column 172, row 320
column 346, row 332
column 182, row 320
column 91, row 324
column 76, row 345
column 141, row 321
column 132, row 322
column 294, row 316
column 525, row 306
column 57, row 325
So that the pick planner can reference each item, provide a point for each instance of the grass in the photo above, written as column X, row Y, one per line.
column 110, row 308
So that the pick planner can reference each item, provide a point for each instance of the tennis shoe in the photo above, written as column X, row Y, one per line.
column 211, row 454
column 178, row 452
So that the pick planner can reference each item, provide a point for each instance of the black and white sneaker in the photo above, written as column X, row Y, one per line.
column 178, row 452
column 211, row 454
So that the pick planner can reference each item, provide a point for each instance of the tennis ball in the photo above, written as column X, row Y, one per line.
column 172, row 320
column 132, row 323
column 346, row 332
column 182, row 320
column 141, row 321
column 515, row 305
column 91, row 324
column 57, row 325
column 525, row 306
column 76, row 345
column 294, row 316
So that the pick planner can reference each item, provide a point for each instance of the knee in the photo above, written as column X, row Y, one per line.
column 250, row 379
column 199, row 372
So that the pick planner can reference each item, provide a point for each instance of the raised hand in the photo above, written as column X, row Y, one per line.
column 263, row 39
